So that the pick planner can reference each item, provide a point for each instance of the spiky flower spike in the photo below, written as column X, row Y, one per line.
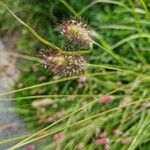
column 63, row 64
column 77, row 32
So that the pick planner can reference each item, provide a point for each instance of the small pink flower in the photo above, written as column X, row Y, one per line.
column 106, row 99
column 82, row 79
column 34, row 68
column 103, row 134
column 146, row 105
column 56, row 77
column 126, row 100
column 9, row 126
column 117, row 132
column 20, row 85
column 70, row 97
column 34, row 92
column 59, row 137
column 80, row 146
column 41, row 103
column 107, row 147
column 54, row 117
column 30, row 147
column 102, row 141
column 126, row 140
column 42, row 91
column 40, row 110
column 25, row 70
column 42, row 78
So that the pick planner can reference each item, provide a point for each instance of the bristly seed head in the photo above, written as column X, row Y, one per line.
column 76, row 32
column 63, row 64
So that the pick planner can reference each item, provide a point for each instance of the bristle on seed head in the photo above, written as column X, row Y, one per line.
column 63, row 64
column 76, row 32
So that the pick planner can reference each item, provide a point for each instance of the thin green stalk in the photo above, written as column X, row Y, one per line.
column 70, row 8
column 13, row 139
column 62, row 80
column 110, row 52
column 145, row 7
column 46, row 96
column 27, row 57
column 116, row 27
column 132, row 37
column 81, row 108
column 24, row 142
column 38, row 85
column 143, row 125
column 102, row 1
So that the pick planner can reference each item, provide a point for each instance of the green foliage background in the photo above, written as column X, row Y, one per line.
column 119, row 67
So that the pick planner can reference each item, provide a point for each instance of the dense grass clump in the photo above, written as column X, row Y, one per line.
column 107, row 107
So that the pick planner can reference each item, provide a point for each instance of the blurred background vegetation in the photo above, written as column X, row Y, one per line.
column 119, row 66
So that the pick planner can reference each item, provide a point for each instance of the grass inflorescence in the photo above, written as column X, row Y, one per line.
column 104, row 107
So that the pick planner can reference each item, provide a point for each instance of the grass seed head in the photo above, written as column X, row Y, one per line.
column 76, row 32
column 63, row 64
